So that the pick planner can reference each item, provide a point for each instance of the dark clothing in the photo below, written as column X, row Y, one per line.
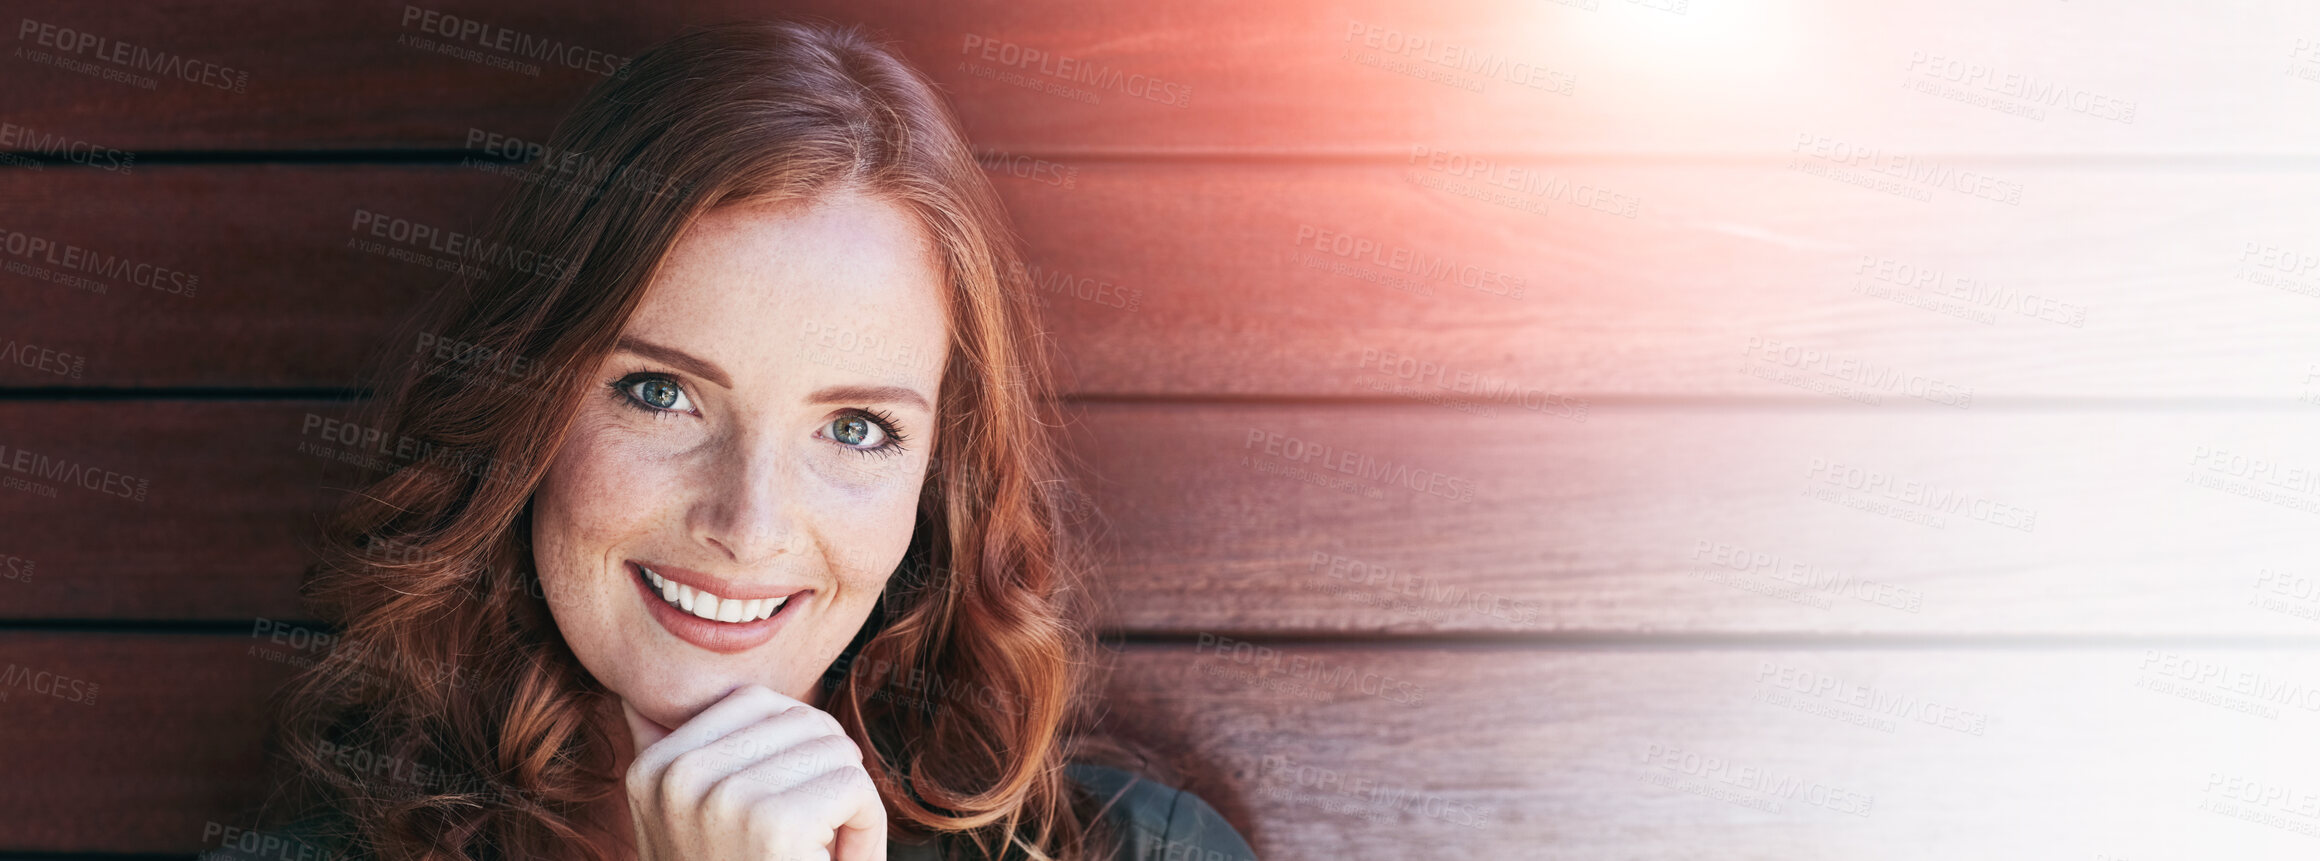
column 1148, row 822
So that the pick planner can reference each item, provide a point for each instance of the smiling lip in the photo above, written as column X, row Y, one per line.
column 720, row 637
column 718, row 586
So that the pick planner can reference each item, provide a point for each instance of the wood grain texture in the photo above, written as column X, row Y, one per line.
column 1367, row 77
column 1896, row 448
column 1362, row 752
column 129, row 743
column 273, row 292
column 1750, row 280
column 1754, row 280
column 1755, row 753
column 169, row 510
column 1688, row 520
column 1407, row 519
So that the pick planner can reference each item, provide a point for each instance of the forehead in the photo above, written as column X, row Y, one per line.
column 842, row 287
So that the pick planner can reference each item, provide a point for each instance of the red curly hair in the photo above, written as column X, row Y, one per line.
column 449, row 664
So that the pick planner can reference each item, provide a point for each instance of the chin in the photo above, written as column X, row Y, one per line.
column 672, row 688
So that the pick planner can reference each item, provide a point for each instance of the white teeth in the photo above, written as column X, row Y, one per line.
column 711, row 607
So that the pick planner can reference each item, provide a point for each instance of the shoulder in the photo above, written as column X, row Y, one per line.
column 1153, row 821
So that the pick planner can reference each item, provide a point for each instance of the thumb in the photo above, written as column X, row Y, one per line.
column 643, row 732
column 862, row 837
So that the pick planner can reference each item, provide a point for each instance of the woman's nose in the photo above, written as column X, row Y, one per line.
column 747, row 505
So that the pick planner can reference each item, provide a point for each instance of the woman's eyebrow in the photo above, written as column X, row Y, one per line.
column 684, row 361
column 702, row 368
column 870, row 394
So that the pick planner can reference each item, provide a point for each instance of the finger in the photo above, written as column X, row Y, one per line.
column 796, row 743
column 843, row 805
column 798, row 764
column 862, row 837
column 861, row 844
column 746, row 705
column 642, row 731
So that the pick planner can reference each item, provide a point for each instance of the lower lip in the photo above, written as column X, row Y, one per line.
column 724, row 638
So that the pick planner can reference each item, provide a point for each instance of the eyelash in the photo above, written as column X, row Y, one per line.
column 891, row 446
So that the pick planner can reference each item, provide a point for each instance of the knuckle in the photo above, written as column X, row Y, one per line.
column 664, row 788
column 854, row 781
column 643, row 798
column 841, row 746
column 728, row 799
column 688, row 769
column 809, row 758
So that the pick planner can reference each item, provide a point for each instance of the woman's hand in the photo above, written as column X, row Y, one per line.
column 756, row 777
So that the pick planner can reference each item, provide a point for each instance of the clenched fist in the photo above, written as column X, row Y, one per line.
column 756, row 777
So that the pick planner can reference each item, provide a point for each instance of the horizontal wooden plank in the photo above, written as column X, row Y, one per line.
column 1354, row 281
column 1205, row 76
column 1757, row 280
column 142, row 744
column 236, row 276
column 1709, row 520
column 185, row 510
column 1359, row 753
column 129, row 743
column 1230, row 518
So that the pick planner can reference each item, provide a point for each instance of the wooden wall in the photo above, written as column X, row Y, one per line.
column 1905, row 442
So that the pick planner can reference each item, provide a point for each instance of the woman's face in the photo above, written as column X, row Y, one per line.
column 758, row 439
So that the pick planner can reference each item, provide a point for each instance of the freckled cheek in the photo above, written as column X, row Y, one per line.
column 606, row 494
column 865, row 524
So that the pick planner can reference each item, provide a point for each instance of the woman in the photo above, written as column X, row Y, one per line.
column 721, row 522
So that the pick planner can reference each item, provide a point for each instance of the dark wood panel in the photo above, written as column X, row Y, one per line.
column 131, row 743
column 1225, row 518
column 1362, row 752
column 230, row 276
column 1285, row 280
column 1373, row 76
column 158, row 510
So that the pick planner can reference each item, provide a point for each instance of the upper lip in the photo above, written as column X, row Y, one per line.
column 720, row 586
